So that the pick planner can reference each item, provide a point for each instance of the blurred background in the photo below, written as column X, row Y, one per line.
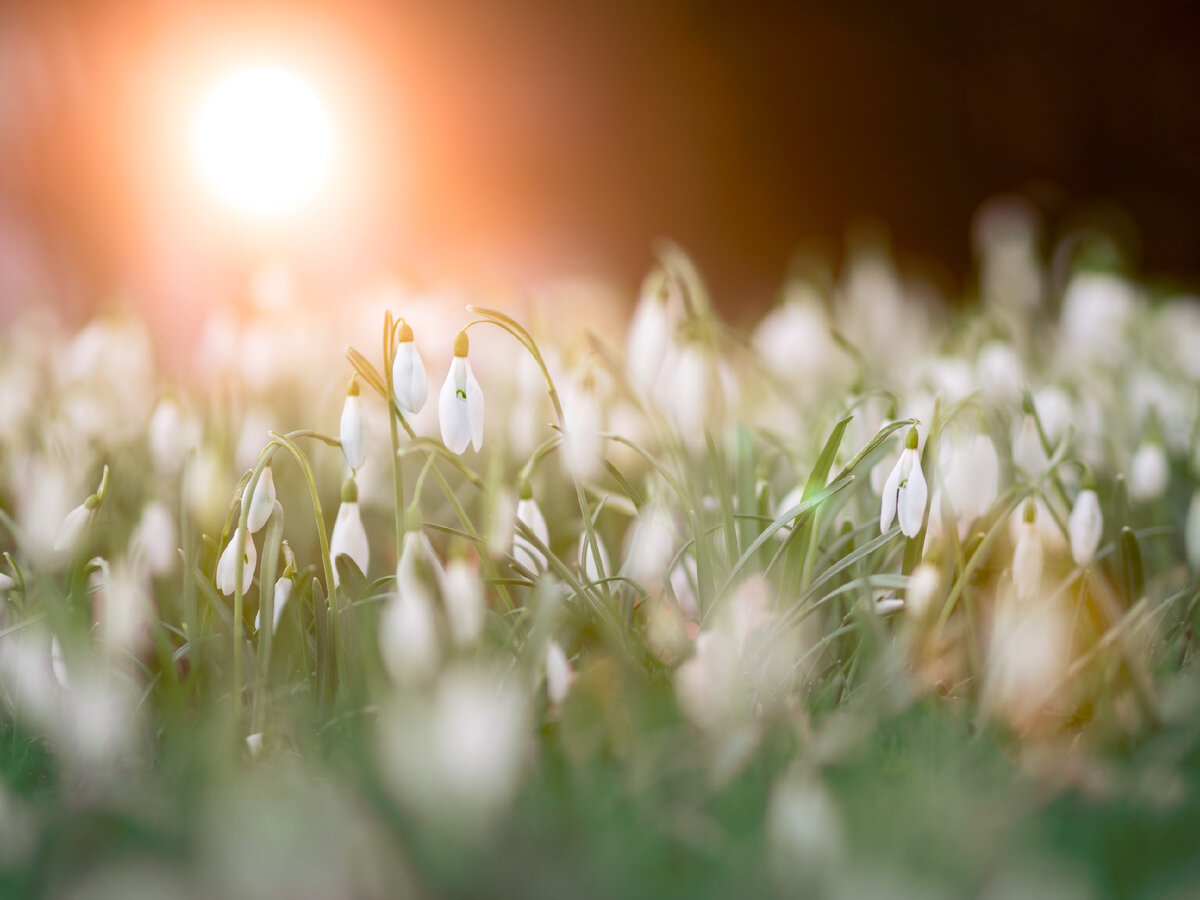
column 521, row 143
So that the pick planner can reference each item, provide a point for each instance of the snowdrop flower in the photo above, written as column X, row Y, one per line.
column 353, row 430
column 70, row 533
column 583, row 448
column 463, row 596
column 1027, row 558
column 905, row 492
column 649, row 331
column 559, row 674
column 261, row 504
column 227, row 565
column 530, row 514
column 409, row 381
column 460, row 405
column 408, row 641
column 170, row 436
column 973, row 479
column 1148, row 472
column 1085, row 527
column 692, row 392
column 888, row 606
column 280, row 597
column 1027, row 450
column 154, row 540
column 651, row 544
column 349, row 537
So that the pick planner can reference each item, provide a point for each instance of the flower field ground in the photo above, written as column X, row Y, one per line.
column 871, row 597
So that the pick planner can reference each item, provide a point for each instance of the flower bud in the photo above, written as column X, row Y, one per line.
column 262, row 503
column 353, row 430
column 1085, row 527
column 226, row 577
column 409, row 381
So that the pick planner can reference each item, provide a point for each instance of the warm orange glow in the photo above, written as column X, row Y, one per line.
column 263, row 142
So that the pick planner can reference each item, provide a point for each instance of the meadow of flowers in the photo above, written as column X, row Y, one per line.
column 873, row 597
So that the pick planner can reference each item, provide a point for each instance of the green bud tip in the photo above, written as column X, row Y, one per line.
column 1030, row 512
column 524, row 490
column 349, row 490
column 92, row 502
column 412, row 519
column 352, row 388
column 911, row 441
column 461, row 343
column 1027, row 405
column 404, row 333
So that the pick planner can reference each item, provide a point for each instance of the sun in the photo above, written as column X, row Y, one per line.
column 263, row 142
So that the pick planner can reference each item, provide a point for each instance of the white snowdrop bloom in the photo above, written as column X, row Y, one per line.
column 559, row 674
column 349, row 537
column 905, row 492
column 154, row 541
column 1148, row 472
column 255, row 434
column 888, row 606
column 408, row 640
column 951, row 377
column 1027, row 451
column 457, row 758
column 692, row 393
column 352, row 429
column 254, row 743
column 523, row 550
column 206, row 482
column 227, row 565
column 1096, row 308
column 123, row 607
column 794, row 341
column 1191, row 532
column 924, row 587
column 587, row 559
column 171, row 435
column 583, row 447
column 973, row 478
column 460, row 405
column 463, row 598
column 261, row 503
column 1027, row 558
column 6, row 584
column 1085, row 527
column 501, row 522
column 70, row 534
column 651, row 544
column 649, row 331
column 998, row 372
column 409, row 381
column 1056, row 411
column 280, row 597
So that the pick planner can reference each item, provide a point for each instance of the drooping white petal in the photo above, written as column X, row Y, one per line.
column 154, row 541
column 408, row 641
column 524, row 552
column 280, row 597
column 912, row 496
column 1027, row 563
column 474, row 407
column 558, row 674
column 1148, row 472
column 349, row 538
column 1027, row 450
column 649, row 333
column 460, row 407
column 227, row 566
column 70, row 533
column 409, row 378
column 463, row 597
column 353, row 433
column 1086, row 526
column 890, row 495
column 262, row 503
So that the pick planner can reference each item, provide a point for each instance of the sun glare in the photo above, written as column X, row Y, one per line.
column 263, row 141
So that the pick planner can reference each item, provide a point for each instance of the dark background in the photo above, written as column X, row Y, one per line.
column 526, row 141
